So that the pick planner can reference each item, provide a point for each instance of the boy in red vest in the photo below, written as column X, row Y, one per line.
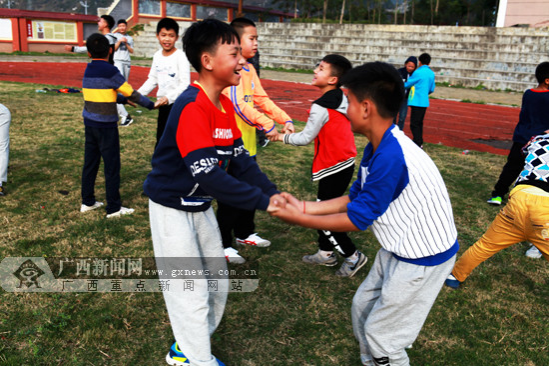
column 334, row 160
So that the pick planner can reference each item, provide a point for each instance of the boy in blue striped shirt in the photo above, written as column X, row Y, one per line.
column 400, row 193
column 103, row 87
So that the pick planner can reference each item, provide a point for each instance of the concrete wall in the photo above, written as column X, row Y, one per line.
column 498, row 58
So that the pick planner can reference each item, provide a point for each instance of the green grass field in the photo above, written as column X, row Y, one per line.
column 299, row 315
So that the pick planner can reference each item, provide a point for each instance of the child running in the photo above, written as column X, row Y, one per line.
column 189, row 170
column 334, row 159
column 400, row 193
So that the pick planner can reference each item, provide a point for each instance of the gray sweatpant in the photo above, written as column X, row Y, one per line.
column 194, row 313
column 391, row 305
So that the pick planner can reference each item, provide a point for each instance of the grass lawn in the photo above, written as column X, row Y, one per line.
column 299, row 315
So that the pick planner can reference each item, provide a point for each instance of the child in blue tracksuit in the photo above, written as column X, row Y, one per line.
column 421, row 84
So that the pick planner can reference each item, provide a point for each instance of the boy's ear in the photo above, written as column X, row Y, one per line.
column 367, row 108
column 89, row 54
column 333, row 80
column 206, row 61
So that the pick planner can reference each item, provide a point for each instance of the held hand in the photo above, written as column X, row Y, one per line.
column 289, row 214
column 288, row 128
column 276, row 202
column 162, row 101
column 68, row 48
column 293, row 201
column 123, row 40
column 273, row 135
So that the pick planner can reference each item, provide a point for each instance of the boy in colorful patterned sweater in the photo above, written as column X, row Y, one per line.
column 525, row 217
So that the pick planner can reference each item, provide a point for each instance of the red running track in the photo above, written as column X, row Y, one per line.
column 456, row 124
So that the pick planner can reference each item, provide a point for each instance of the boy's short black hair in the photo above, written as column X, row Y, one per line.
column 204, row 36
column 379, row 82
column 339, row 65
column 239, row 24
column 109, row 20
column 122, row 21
column 425, row 59
column 167, row 24
column 98, row 46
column 542, row 72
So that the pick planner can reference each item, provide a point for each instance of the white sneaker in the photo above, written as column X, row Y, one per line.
column 232, row 256
column 122, row 211
column 533, row 252
column 85, row 208
column 254, row 240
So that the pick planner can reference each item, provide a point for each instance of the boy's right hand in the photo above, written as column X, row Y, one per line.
column 276, row 202
column 161, row 101
column 273, row 135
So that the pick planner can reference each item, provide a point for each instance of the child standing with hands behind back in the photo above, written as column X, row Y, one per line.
column 243, row 96
column 334, row 160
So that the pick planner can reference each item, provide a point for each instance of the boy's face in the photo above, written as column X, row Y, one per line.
column 355, row 112
column 410, row 67
column 323, row 75
column 122, row 28
column 248, row 42
column 167, row 39
column 226, row 63
column 102, row 24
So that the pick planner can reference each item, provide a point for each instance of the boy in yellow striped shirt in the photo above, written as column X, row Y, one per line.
column 103, row 87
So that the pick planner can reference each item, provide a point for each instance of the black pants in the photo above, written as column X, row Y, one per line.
column 334, row 186
column 416, row 124
column 163, row 113
column 234, row 220
column 511, row 170
column 102, row 143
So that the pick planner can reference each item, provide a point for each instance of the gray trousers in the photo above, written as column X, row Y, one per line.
column 391, row 305
column 194, row 314
column 5, row 120
column 124, row 68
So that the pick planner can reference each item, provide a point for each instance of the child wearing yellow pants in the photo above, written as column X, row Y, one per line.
column 524, row 218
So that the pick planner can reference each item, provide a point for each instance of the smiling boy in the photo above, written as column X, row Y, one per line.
column 170, row 72
column 200, row 143
column 334, row 159
column 400, row 193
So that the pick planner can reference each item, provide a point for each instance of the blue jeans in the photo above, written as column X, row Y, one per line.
column 5, row 120
column 102, row 143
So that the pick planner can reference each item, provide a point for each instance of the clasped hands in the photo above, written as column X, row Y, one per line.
column 285, row 206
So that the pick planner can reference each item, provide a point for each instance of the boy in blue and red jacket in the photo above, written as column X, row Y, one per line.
column 101, row 86
column 189, row 170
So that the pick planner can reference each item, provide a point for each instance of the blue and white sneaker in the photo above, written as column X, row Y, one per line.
column 452, row 282
column 176, row 357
